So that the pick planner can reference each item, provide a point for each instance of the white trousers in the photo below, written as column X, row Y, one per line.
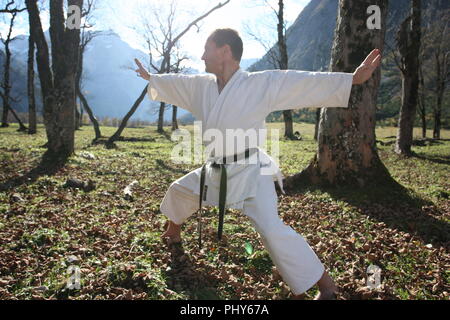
column 296, row 262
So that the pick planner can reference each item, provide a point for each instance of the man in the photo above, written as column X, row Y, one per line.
column 234, row 99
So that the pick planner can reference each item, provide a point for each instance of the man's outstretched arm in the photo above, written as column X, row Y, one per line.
column 365, row 70
column 175, row 89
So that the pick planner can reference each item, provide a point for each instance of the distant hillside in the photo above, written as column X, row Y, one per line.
column 310, row 39
column 109, row 81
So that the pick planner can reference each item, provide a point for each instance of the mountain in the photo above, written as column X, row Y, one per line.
column 310, row 38
column 109, row 81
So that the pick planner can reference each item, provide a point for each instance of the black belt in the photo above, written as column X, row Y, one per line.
column 222, row 191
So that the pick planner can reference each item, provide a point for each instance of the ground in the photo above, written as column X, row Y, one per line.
column 47, row 230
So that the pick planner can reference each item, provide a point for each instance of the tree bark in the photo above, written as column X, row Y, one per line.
column 409, row 48
column 32, row 121
column 316, row 127
column 162, row 108
column 174, row 118
column 437, row 113
column 422, row 101
column 347, row 150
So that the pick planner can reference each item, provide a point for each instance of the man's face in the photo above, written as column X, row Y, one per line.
column 213, row 57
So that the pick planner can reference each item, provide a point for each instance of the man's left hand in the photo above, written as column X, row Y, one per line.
column 365, row 70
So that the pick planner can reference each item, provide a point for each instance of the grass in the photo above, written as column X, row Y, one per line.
column 117, row 241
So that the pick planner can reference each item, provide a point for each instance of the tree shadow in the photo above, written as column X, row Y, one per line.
column 389, row 202
column 165, row 134
column 441, row 160
column 132, row 139
column 49, row 165
column 184, row 276
column 162, row 165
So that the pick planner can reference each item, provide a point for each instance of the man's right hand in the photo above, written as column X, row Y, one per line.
column 141, row 72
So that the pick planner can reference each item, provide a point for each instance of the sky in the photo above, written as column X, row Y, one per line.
column 123, row 17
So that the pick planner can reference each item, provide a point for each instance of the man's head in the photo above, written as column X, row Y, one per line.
column 224, row 46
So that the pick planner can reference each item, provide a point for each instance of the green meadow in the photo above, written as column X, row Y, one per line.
column 47, row 230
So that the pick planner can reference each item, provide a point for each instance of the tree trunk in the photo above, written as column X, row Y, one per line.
column 32, row 121
column 437, row 117
column 284, row 63
column 83, row 100
column 409, row 47
column 162, row 108
column 81, row 115
column 6, row 85
column 6, row 76
column 424, row 126
column 58, row 88
column 442, row 74
column 422, row 101
column 123, row 124
column 77, row 118
column 316, row 127
column 174, row 118
column 91, row 115
column 347, row 150
column 21, row 125
column 407, row 116
column 288, row 125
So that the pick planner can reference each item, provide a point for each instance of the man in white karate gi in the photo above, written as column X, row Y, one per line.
column 230, row 98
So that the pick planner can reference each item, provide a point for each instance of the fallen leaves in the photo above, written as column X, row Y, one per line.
column 45, row 228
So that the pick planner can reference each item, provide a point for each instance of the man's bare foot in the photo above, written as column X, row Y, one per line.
column 173, row 233
column 326, row 295
column 327, row 288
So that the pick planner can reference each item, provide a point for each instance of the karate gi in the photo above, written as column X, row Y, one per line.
column 244, row 103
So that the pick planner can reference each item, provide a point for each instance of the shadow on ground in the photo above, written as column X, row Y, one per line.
column 184, row 277
column 47, row 166
column 393, row 204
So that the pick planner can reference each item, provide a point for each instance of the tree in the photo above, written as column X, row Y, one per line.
column 165, row 66
column 408, row 43
column 32, row 121
column 347, row 150
column 85, row 38
column 6, row 83
column 421, row 99
column 441, row 59
column 278, row 58
column 57, row 81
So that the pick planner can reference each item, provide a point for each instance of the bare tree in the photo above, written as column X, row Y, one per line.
column 347, row 150
column 6, row 81
column 32, row 119
column 421, row 98
column 9, row 9
column 86, row 37
column 165, row 66
column 408, row 43
column 57, row 81
column 278, row 57
column 440, row 54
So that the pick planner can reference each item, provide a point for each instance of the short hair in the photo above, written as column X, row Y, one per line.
column 230, row 37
